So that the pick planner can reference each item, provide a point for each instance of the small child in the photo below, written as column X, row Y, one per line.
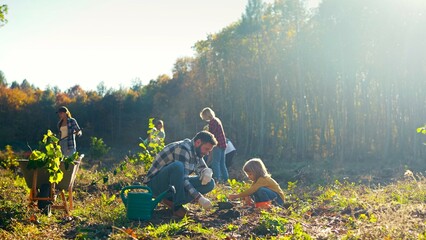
column 264, row 189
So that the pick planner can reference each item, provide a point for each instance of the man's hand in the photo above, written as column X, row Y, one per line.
column 204, row 202
column 206, row 176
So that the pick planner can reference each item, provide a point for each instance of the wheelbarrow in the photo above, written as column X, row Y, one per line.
column 140, row 205
column 42, row 191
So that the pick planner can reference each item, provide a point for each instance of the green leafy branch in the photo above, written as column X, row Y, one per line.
column 150, row 148
column 145, row 157
column 50, row 157
column 421, row 130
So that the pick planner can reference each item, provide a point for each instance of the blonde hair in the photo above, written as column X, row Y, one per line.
column 207, row 114
column 162, row 125
column 256, row 166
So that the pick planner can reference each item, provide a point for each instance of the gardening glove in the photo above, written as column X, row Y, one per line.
column 204, row 202
column 79, row 133
column 206, row 176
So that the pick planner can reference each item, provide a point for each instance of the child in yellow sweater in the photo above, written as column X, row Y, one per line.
column 264, row 188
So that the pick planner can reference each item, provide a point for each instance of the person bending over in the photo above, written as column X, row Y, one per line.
column 174, row 165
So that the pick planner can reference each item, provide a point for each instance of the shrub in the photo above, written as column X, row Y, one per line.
column 98, row 148
column 8, row 158
column 49, row 156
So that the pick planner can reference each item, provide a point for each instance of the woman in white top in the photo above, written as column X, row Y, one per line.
column 158, row 134
column 68, row 128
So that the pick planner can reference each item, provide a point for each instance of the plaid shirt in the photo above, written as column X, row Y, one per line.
column 216, row 128
column 183, row 151
column 72, row 128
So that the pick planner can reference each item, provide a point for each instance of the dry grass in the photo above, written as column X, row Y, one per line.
column 340, row 210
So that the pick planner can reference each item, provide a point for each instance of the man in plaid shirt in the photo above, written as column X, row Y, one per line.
column 174, row 165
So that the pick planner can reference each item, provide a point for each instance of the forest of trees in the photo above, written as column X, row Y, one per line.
column 342, row 82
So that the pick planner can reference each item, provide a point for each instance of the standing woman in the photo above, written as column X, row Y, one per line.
column 159, row 125
column 158, row 134
column 68, row 128
column 220, row 173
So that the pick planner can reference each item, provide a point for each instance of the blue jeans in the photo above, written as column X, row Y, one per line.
column 173, row 174
column 265, row 194
column 220, row 172
column 64, row 148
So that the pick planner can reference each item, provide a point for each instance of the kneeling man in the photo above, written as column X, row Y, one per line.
column 174, row 165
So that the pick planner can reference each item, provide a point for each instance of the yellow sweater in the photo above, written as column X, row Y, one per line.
column 263, row 182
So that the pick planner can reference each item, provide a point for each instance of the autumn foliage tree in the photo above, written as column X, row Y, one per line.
column 340, row 83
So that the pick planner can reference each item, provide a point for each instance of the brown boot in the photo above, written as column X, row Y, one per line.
column 168, row 203
column 180, row 212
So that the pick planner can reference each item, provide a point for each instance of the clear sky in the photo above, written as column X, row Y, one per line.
column 68, row 42
column 63, row 43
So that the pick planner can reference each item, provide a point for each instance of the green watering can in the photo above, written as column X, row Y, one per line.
column 141, row 205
